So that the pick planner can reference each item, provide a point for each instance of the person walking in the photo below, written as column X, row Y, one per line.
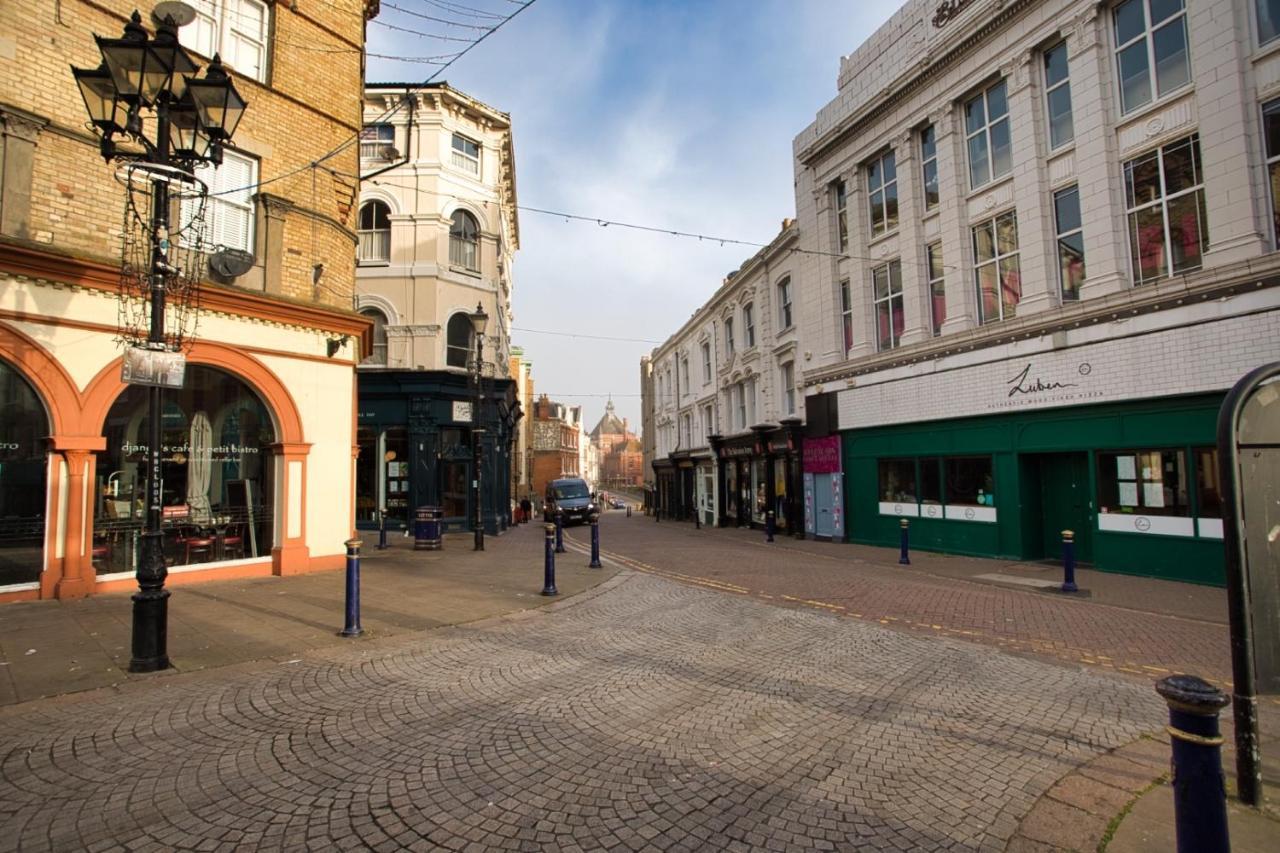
column 526, row 507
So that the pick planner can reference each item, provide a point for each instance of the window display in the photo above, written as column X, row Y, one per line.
column 1145, row 482
column 23, row 471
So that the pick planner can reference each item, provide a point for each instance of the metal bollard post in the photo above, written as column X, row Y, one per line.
column 657, row 514
column 904, row 559
column 595, row 542
column 1069, row 561
column 768, row 526
column 1199, row 791
column 382, row 531
column 559, row 532
column 549, row 563
column 628, row 510
column 352, row 628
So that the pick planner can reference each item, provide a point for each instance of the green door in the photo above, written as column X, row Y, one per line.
column 1066, row 503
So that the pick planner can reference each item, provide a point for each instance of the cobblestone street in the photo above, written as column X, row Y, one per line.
column 643, row 715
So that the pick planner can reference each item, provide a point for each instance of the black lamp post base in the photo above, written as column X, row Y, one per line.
column 150, row 631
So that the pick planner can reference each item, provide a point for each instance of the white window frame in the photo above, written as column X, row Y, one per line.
column 996, row 260
column 878, row 193
column 787, row 379
column 230, row 197
column 684, row 373
column 1257, row 20
column 377, row 142
column 708, row 420
column 985, row 133
column 461, row 158
column 1147, row 35
column 740, row 406
column 1273, row 165
column 706, row 362
column 728, row 336
column 374, row 244
column 935, row 322
column 840, row 196
column 1163, row 203
column 1050, row 89
column 750, row 395
column 686, row 425
column 928, row 159
column 463, row 253
column 846, row 315
column 1061, row 235
column 748, row 325
column 784, row 304
column 891, row 272
column 219, row 26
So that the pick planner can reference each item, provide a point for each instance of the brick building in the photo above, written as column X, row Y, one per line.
column 270, row 380
column 620, row 456
column 555, row 444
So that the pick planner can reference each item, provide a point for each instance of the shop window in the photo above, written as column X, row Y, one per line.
column 731, row 490
column 780, row 494
column 1208, row 483
column 395, row 473
column 969, row 481
column 367, row 474
column 1145, row 482
column 931, row 480
column 759, row 505
column 898, row 480
column 24, row 427
column 216, row 469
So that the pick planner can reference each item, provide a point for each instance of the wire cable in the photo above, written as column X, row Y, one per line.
column 581, row 335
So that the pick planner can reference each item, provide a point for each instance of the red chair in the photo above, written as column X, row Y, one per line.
column 199, row 546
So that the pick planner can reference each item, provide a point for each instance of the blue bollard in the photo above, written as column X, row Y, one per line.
column 768, row 526
column 559, row 532
column 352, row 628
column 595, row 542
column 1069, row 561
column 382, row 531
column 904, row 558
column 549, row 563
column 1199, row 791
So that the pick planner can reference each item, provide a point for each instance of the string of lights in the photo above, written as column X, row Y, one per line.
column 455, row 8
column 419, row 33
column 432, row 18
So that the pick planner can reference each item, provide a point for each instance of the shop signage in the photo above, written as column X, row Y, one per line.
column 781, row 446
column 822, row 455
column 1028, row 385
column 729, row 452
column 948, row 10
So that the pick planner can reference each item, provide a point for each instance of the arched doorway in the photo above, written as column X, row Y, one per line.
column 24, row 468
column 217, row 470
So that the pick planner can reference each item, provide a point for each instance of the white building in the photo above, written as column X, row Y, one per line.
column 1059, row 241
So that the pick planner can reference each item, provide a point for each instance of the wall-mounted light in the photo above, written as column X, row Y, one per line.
column 332, row 345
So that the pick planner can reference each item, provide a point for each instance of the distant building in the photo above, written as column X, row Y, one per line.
column 621, row 457
column 555, row 447
column 438, row 232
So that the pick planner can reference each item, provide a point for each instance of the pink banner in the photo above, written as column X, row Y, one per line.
column 822, row 455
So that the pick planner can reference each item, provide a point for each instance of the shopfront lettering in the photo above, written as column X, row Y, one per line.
column 948, row 10
column 822, row 455
column 221, row 451
column 8, row 445
column 1023, row 384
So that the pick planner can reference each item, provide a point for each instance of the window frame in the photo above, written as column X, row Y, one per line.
column 935, row 322
column 929, row 161
column 996, row 260
column 460, row 159
column 840, row 194
column 1060, row 235
column 378, row 355
column 748, row 325
column 1148, row 36
column 881, row 165
column 364, row 245
column 846, row 314
column 1162, row 203
column 787, row 381
column 1050, row 88
column 238, row 197
column 706, row 362
column 458, row 260
column 893, row 275
column 1272, row 163
column 984, row 131
column 223, row 22
column 1257, row 22
column 784, row 304
column 450, row 347
column 729, row 345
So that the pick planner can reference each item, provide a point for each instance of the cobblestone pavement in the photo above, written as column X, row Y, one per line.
column 1146, row 628
column 644, row 715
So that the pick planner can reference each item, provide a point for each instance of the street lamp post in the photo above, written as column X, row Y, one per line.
column 150, row 80
column 479, row 321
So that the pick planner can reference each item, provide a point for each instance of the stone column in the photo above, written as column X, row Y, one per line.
column 1039, row 279
column 915, row 281
column 957, row 251
column 289, row 553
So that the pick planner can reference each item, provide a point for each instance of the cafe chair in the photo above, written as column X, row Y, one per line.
column 233, row 543
column 199, row 548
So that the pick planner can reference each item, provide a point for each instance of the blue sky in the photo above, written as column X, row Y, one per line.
column 672, row 114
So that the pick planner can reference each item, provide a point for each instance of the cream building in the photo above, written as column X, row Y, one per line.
column 1040, row 246
column 438, row 235
column 723, row 400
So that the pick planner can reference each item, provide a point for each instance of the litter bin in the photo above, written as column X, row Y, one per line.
column 426, row 528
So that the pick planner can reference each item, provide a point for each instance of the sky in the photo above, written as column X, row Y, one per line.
column 676, row 114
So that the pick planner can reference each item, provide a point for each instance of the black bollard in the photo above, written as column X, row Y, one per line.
column 1069, row 561
column 595, row 542
column 549, row 564
column 382, row 531
column 768, row 526
column 657, row 515
column 559, row 532
column 904, row 558
column 628, row 510
column 1199, row 790
column 352, row 628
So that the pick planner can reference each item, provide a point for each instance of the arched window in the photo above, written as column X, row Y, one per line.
column 375, row 233
column 464, row 241
column 24, row 427
column 379, row 355
column 460, row 338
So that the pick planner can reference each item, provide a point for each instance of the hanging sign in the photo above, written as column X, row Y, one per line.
column 153, row 367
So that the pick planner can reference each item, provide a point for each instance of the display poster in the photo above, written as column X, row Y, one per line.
column 1128, row 494
column 1125, row 469
column 1152, row 494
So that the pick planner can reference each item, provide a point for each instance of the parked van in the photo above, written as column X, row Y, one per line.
column 572, row 497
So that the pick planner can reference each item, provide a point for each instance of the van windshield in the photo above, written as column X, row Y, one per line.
column 570, row 490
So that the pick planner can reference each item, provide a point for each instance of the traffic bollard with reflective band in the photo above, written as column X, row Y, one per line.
column 382, row 531
column 595, row 542
column 352, row 628
column 549, row 564
column 1199, row 790
column 768, row 526
column 1069, row 561
column 559, row 532
column 904, row 558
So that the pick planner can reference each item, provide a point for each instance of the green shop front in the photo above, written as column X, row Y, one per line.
column 1135, row 481
column 418, row 433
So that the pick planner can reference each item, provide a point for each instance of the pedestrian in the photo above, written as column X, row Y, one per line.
column 526, row 507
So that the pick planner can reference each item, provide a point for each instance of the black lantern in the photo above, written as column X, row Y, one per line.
column 140, row 74
column 171, row 55
column 98, row 89
column 215, row 96
column 190, row 139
